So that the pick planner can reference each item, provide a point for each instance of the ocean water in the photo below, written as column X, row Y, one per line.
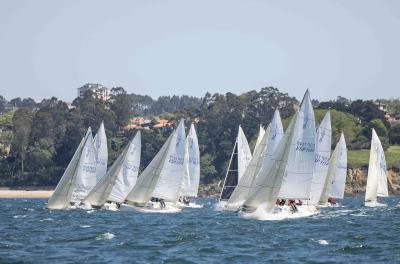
column 352, row 233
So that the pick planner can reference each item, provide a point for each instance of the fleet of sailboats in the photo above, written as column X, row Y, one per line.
column 290, row 173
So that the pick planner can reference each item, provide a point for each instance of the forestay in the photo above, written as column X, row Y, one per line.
column 62, row 194
column 339, row 177
column 299, row 170
column 266, row 146
column 191, row 182
column 269, row 180
column 170, row 180
column 321, row 161
column 86, row 171
column 377, row 179
column 100, row 145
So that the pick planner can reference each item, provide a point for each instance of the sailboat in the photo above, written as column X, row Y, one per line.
column 119, row 179
column 299, row 170
column 336, row 176
column 100, row 144
column 377, row 180
column 240, row 159
column 321, row 162
column 264, row 192
column 266, row 146
column 162, row 178
column 191, row 178
column 287, row 173
column 79, row 176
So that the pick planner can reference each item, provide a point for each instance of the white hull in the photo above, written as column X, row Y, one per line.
column 110, row 207
column 151, row 208
column 281, row 213
column 374, row 204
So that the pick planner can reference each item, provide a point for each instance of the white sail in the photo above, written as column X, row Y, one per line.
column 146, row 182
column 100, row 145
column 266, row 146
column 244, row 152
column 170, row 180
column 339, row 176
column 191, row 182
column 240, row 158
column 86, row 171
column 62, row 194
column 269, row 180
column 97, row 196
column 321, row 161
column 323, row 199
column 120, row 178
column 299, row 170
column 377, row 179
column 259, row 137
column 128, row 174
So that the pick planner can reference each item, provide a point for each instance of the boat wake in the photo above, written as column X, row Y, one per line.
column 151, row 208
column 280, row 213
column 374, row 204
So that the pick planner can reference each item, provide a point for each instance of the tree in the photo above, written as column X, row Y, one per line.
column 22, row 121
column 394, row 134
column 3, row 104
column 121, row 104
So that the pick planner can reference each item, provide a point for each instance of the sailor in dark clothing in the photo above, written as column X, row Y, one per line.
column 292, row 204
column 282, row 203
column 162, row 203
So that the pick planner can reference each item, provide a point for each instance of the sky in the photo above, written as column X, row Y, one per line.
column 164, row 47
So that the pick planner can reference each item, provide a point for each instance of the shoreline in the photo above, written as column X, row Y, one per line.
column 25, row 194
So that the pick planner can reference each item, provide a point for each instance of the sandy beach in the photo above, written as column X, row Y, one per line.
column 24, row 194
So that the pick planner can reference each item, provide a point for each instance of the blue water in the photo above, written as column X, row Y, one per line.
column 30, row 233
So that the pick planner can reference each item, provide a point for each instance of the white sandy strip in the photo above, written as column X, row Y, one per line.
column 22, row 194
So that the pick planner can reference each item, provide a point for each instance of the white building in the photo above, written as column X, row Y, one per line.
column 101, row 91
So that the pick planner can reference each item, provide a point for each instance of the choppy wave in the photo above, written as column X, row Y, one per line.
column 204, row 235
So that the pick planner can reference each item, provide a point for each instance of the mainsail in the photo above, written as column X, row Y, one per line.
column 266, row 146
column 190, row 184
column 322, row 155
column 240, row 158
column 299, row 170
column 127, row 176
column 119, row 177
column 100, row 145
column 170, row 180
column 86, row 171
column 62, row 194
column 259, row 138
column 377, row 179
column 269, row 180
column 339, row 177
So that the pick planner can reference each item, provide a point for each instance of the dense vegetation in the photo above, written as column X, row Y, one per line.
column 43, row 136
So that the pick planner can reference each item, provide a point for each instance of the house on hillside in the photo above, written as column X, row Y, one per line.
column 101, row 91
